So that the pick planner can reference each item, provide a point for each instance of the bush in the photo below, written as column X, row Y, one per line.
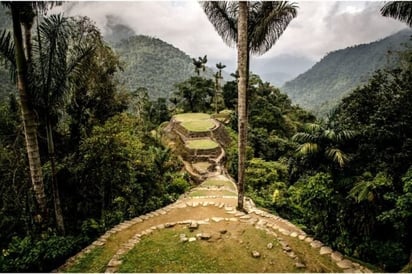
column 37, row 255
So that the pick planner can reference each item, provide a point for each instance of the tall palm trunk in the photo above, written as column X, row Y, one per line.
column 242, row 45
column 28, row 116
column 55, row 187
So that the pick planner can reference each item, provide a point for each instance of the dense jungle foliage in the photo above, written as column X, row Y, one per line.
column 321, row 88
column 346, row 180
column 109, row 164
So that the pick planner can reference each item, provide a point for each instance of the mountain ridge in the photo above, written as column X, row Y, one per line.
column 321, row 87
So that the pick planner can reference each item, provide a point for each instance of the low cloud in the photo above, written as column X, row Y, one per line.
column 319, row 28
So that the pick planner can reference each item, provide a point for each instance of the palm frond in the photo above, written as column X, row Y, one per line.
column 312, row 127
column 361, row 192
column 338, row 156
column 308, row 149
column 7, row 52
column 345, row 135
column 400, row 10
column 267, row 22
column 303, row 137
column 223, row 16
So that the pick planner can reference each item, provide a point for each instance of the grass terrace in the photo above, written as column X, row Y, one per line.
column 187, row 117
column 202, row 144
column 198, row 125
column 195, row 122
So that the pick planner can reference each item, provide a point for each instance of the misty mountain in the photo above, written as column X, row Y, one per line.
column 150, row 62
column 339, row 72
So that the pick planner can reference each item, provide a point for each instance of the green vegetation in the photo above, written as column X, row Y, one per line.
column 154, row 65
column 89, row 263
column 163, row 252
column 188, row 117
column 202, row 144
column 346, row 180
column 198, row 126
column 321, row 88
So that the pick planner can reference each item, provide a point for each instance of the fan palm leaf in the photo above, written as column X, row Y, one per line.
column 267, row 21
column 223, row 16
column 400, row 10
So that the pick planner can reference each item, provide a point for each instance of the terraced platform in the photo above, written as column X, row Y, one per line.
column 203, row 232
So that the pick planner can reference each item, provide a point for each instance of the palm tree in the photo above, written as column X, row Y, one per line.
column 52, row 62
column 317, row 140
column 56, row 58
column 218, row 77
column 28, row 114
column 242, row 57
column 400, row 10
column 260, row 23
column 200, row 64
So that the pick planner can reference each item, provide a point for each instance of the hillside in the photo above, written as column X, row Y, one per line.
column 321, row 87
column 154, row 64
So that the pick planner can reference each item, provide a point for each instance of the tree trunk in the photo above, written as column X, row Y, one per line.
column 242, row 49
column 55, row 187
column 28, row 117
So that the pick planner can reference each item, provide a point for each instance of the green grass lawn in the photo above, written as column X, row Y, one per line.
column 198, row 125
column 90, row 263
column 202, row 144
column 231, row 252
column 186, row 117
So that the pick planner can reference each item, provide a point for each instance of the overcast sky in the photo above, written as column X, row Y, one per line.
column 320, row 27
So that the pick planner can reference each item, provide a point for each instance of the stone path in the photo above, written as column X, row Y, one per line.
column 211, row 205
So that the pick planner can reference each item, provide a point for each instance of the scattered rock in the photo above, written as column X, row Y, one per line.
column 336, row 256
column 325, row 250
column 192, row 239
column 269, row 245
column 161, row 226
column 293, row 234
column 255, row 254
column 261, row 223
column 291, row 254
column 245, row 217
column 316, row 244
column 169, row 225
column 309, row 239
column 193, row 226
column 344, row 264
column 205, row 236
column 114, row 263
column 239, row 214
column 301, row 237
column 217, row 219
